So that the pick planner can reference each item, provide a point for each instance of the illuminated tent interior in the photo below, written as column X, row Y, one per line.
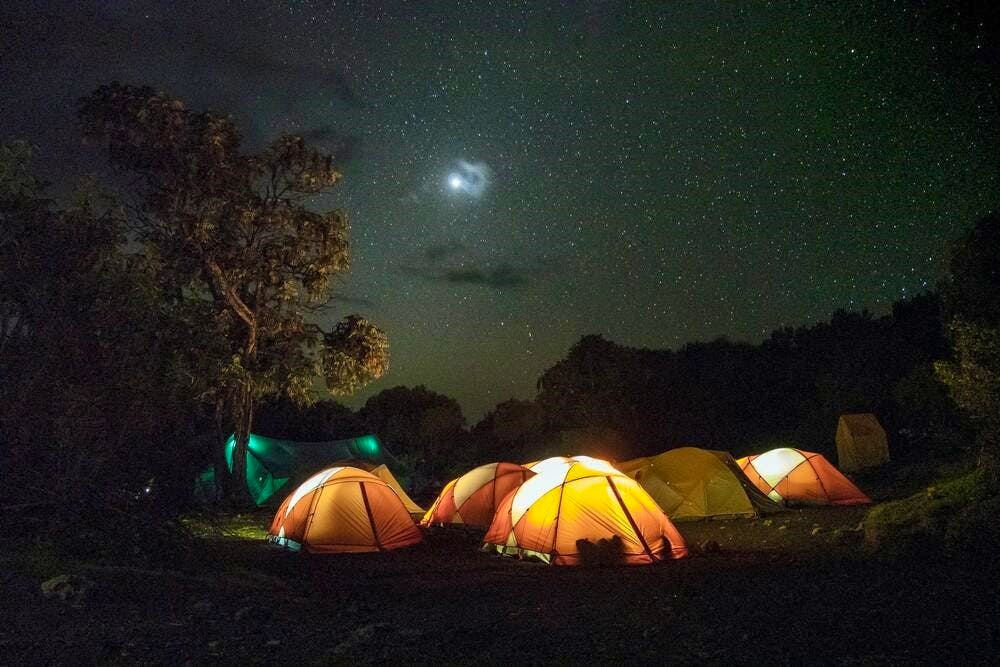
column 861, row 442
column 581, row 499
column 795, row 476
column 343, row 510
column 472, row 499
column 691, row 483
column 274, row 463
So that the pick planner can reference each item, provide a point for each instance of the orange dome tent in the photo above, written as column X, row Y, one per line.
column 472, row 499
column 343, row 510
column 582, row 499
column 795, row 476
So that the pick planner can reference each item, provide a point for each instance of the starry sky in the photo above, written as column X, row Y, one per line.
column 520, row 174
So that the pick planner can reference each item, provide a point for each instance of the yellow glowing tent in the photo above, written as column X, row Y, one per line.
column 570, row 501
column 692, row 483
column 343, row 510
column 861, row 442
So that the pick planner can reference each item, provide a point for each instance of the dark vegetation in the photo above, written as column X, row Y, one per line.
column 137, row 330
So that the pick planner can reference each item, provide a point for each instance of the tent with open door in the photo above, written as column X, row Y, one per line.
column 692, row 483
column 582, row 500
column 343, row 510
column 795, row 476
column 472, row 499
column 861, row 442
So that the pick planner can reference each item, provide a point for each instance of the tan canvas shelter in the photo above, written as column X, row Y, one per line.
column 383, row 473
column 472, row 499
column 861, row 442
column 796, row 476
column 582, row 499
column 691, row 483
column 343, row 510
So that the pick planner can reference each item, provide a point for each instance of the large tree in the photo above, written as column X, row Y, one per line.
column 247, row 260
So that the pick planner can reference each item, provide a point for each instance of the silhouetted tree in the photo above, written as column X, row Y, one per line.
column 972, row 302
column 90, row 408
column 512, row 431
column 237, row 246
column 281, row 417
column 422, row 427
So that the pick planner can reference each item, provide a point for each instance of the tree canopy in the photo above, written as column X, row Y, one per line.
column 236, row 244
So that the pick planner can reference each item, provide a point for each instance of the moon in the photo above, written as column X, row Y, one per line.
column 468, row 179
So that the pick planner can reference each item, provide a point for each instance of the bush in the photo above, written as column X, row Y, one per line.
column 955, row 516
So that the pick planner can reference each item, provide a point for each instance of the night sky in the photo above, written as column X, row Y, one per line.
column 521, row 174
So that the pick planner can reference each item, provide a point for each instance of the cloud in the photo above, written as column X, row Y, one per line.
column 500, row 277
column 448, row 263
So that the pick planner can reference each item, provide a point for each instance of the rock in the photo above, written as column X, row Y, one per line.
column 68, row 587
column 783, row 527
column 768, row 522
column 709, row 546
column 816, row 531
column 847, row 536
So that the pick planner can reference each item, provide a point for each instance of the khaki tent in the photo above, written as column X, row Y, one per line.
column 383, row 473
column 861, row 442
column 343, row 510
column 795, row 476
column 472, row 499
column 569, row 502
column 692, row 483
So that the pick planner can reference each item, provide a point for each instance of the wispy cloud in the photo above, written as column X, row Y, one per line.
column 449, row 263
column 499, row 277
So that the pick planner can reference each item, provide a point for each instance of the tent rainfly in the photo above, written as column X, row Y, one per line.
column 794, row 476
column 472, row 499
column 691, row 483
column 343, row 510
column 570, row 502
column 861, row 442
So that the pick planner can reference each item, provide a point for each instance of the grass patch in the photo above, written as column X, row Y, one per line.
column 956, row 513
column 240, row 526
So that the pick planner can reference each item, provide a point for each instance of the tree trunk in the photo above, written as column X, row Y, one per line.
column 239, row 493
column 223, row 476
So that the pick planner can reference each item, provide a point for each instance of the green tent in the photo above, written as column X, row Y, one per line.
column 272, row 463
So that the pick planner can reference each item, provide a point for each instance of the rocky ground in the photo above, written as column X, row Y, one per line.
column 796, row 587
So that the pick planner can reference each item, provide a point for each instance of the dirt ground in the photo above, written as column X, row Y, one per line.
column 797, row 587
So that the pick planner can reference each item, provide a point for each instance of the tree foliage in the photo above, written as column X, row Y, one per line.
column 88, row 409
column 972, row 302
column 734, row 396
column 425, row 428
column 235, row 242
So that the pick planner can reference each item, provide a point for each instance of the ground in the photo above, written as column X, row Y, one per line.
column 796, row 587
